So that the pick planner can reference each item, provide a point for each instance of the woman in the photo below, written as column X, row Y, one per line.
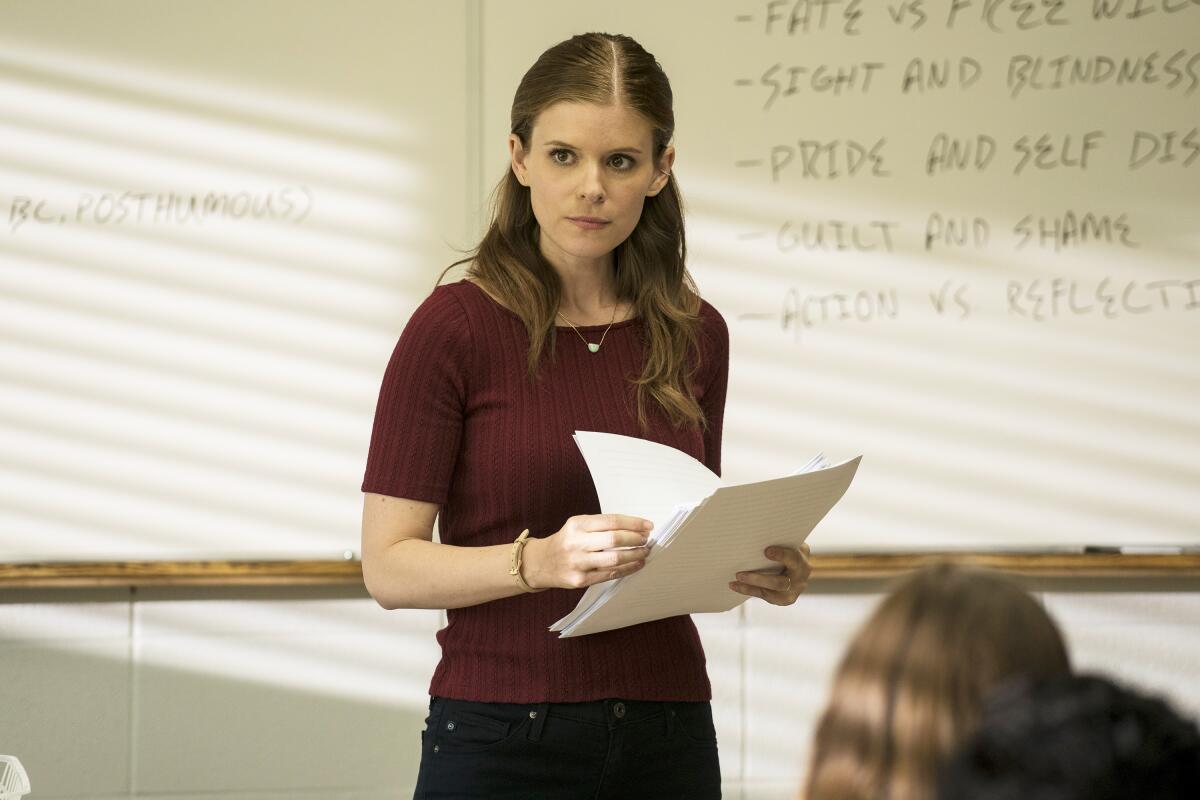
column 912, row 683
column 577, row 314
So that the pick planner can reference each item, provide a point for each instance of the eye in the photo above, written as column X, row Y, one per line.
column 561, row 156
column 622, row 162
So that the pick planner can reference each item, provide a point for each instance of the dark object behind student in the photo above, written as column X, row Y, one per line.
column 1077, row 738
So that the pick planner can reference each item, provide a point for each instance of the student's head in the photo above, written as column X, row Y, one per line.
column 912, row 682
column 578, row 116
column 1076, row 738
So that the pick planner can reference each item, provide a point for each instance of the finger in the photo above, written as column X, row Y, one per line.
column 607, row 540
column 773, row 581
column 804, row 572
column 753, row 591
column 607, row 559
column 790, row 557
column 600, row 576
column 775, row 598
column 806, row 558
column 614, row 522
column 795, row 560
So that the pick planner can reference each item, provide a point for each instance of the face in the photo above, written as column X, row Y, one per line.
column 589, row 169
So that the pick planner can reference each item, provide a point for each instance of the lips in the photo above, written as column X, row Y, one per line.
column 590, row 223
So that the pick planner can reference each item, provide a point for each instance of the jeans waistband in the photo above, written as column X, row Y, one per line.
column 606, row 712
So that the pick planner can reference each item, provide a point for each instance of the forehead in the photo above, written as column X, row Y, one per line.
column 591, row 125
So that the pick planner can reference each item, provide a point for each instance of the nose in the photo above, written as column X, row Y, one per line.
column 591, row 186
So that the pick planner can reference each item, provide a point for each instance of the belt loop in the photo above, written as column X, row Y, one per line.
column 537, row 718
column 437, row 709
column 670, row 715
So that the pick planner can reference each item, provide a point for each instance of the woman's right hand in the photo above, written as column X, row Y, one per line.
column 586, row 550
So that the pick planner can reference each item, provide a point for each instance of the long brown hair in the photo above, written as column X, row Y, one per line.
column 912, row 683
column 649, row 265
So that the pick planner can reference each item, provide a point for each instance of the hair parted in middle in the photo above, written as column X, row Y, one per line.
column 651, row 272
column 913, row 681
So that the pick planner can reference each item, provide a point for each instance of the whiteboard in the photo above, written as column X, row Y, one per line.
column 218, row 217
column 965, row 244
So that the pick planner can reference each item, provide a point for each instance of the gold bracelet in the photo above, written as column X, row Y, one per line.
column 514, row 562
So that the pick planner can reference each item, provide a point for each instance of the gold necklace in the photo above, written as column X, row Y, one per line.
column 592, row 346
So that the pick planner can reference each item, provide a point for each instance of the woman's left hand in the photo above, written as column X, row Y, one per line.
column 778, row 588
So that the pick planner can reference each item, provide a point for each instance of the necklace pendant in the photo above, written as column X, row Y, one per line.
column 595, row 348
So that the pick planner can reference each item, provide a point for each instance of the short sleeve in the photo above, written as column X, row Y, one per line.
column 419, row 414
column 716, row 369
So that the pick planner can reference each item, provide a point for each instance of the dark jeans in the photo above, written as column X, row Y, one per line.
column 604, row 749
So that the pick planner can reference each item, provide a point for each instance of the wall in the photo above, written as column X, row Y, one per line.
column 274, row 694
column 217, row 217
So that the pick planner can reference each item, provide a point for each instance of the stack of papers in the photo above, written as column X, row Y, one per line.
column 704, row 531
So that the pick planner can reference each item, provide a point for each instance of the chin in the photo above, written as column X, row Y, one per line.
column 580, row 247
column 594, row 251
column 594, row 246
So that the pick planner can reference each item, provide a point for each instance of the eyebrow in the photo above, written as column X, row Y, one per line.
column 557, row 143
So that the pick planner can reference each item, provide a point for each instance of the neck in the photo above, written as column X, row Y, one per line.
column 589, row 288
column 588, row 297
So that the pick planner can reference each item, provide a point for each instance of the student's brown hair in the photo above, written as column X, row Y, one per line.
column 650, row 266
column 912, row 683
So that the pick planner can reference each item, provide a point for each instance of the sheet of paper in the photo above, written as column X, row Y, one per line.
column 725, row 532
column 641, row 479
column 691, row 575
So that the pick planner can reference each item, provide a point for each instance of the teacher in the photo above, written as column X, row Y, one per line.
column 577, row 313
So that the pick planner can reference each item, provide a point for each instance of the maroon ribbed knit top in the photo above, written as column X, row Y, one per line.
column 458, row 423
